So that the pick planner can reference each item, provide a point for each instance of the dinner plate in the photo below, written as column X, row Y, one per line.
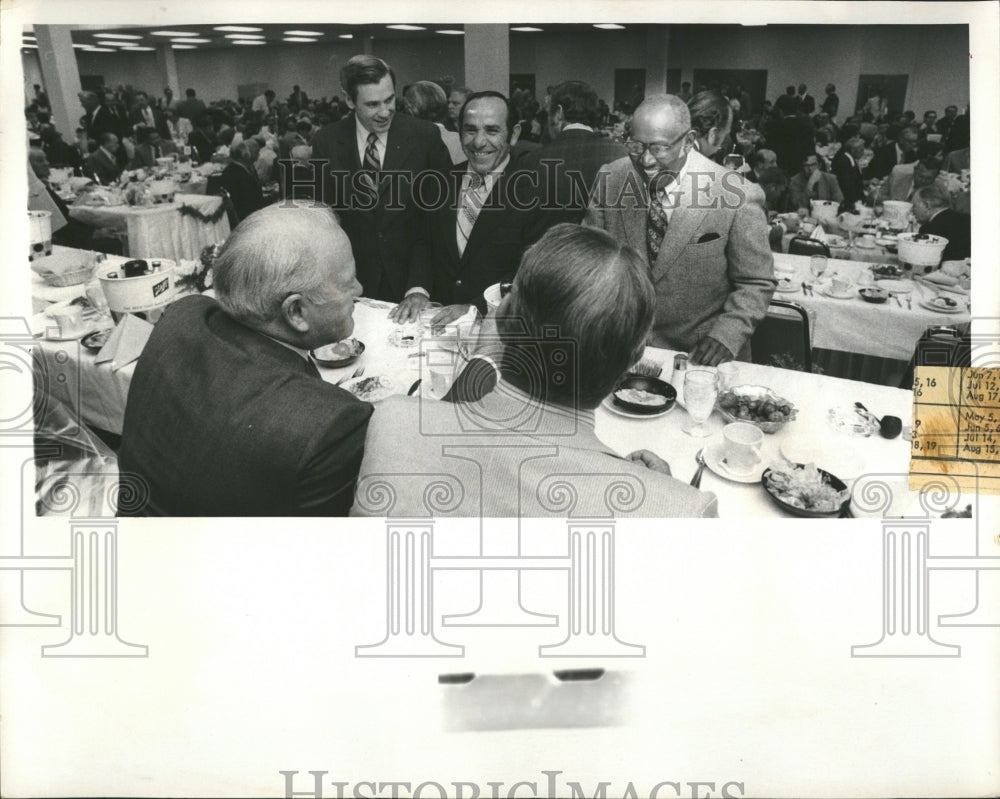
column 619, row 411
column 715, row 460
column 827, row 291
column 835, row 241
column 364, row 389
column 894, row 285
column 886, row 241
column 787, row 286
column 95, row 341
column 930, row 306
column 865, row 244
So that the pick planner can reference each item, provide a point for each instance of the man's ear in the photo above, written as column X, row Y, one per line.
column 515, row 134
column 293, row 313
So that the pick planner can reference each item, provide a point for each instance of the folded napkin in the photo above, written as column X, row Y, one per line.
column 818, row 233
column 126, row 343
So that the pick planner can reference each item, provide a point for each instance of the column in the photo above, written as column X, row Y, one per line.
column 167, row 64
column 591, row 619
column 487, row 58
column 657, row 47
column 905, row 599
column 94, row 598
column 61, row 76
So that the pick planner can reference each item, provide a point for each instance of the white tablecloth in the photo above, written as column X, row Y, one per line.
column 160, row 231
column 889, row 330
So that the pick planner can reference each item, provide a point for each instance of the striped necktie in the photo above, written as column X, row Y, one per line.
column 371, row 155
column 472, row 204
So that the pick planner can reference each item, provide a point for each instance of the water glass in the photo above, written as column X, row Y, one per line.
column 817, row 265
column 701, row 389
column 733, row 161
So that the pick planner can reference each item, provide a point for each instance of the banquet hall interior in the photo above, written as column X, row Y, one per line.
column 150, row 150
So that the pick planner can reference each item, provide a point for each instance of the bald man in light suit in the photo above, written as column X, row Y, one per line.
column 706, row 241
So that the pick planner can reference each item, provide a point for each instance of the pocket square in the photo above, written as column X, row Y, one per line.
column 707, row 237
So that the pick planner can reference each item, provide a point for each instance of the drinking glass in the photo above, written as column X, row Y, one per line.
column 701, row 388
column 733, row 161
column 817, row 265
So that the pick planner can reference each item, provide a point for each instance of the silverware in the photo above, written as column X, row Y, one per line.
column 804, row 292
column 696, row 480
column 909, row 303
column 896, row 298
column 357, row 373
column 414, row 387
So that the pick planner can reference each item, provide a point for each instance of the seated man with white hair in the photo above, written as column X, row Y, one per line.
column 573, row 324
column 227, row 415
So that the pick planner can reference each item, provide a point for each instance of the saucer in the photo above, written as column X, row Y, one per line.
column 930, row 306
column 786, row 286
column 827, row 291
column 715, row 460
column 609, row 405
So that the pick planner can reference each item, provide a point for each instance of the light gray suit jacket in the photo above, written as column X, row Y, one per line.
column 506, row 456
column 714, row 274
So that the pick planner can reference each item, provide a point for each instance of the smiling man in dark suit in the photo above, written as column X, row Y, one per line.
column 479, row 236
column 370, row 159
column 227, row 414
column 701, row 228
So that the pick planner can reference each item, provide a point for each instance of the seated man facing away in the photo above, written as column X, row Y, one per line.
column 932, row 209
column 227, row 415
column 575, row 321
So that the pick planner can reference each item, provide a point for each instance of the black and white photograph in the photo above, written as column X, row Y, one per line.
column 583, row 400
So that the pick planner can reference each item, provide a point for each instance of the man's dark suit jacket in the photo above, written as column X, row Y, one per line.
column 884, row 160
column 223, row 421
column 190, row 109
column 564, row 171
column 389, row 233
column 103, row 121
column 203, row 144
column 102, row 168
column 495, row 246
column 849, row 177
column 146, row 157
column 135, row 117
column 955, row 227
column 244, row 189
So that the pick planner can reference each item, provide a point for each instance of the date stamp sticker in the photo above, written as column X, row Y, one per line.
column 956, row 427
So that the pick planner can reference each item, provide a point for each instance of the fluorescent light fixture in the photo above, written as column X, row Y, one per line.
column 244, row 36
column 183, row 47
column 137, row 48
column 172, row 33
column 99, row 50
column 303, row 33
column 248, row 41
column 527, row 29
column 117, row 44
column 237, row 28
column 609, row 26
column 451, row 32
column 346, row 36
column 116, row 36
column 82, row 46
column 297, row 39
column 406, row 27
column 192, row 41
column 28, row 37
column 29, row 46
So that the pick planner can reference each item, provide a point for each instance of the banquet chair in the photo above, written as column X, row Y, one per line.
column 940, row 345
column 782, row 338
column 214, row 186
column 803, row 246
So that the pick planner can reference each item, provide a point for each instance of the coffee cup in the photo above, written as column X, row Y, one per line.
column 729, row 373
column 69, row 320
column 840, row 284
column 741, row 446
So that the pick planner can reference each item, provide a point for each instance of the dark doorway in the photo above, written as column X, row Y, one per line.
column 753, row 81
column 92, row 83
column 523, row 80
column 630, row 89
column 891, row 87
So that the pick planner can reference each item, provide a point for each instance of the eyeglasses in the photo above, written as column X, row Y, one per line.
column 657, row 149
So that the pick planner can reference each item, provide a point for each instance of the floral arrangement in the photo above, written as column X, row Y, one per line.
column 197, row 275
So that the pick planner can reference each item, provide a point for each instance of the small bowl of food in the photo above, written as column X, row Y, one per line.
column 887, row 270
column 875, row 295
column 343, row 353
column 644, row 395
column 757, row 405
column 803, row 490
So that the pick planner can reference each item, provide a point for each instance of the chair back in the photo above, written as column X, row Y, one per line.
column 803, row 246
column 940, row 345
column 782, row 338
column 214, row 186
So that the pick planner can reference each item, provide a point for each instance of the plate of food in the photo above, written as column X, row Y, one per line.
column 874, row 295
column 370, row 389
column 641, row 396
column 757, row 405
column 803, row 490
column 95, row 341
column 786, row 285
column 343, row 353
column 942, row 305
column 887, row 271
column 835, row 241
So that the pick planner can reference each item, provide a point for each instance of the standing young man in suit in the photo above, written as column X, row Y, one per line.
column 370, row 160
column 701, row 228
column 227, row 414
column 479, row 235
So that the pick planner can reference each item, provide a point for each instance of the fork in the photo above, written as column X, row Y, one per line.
column 357, row 373
column 696, row 480
column 896, row 298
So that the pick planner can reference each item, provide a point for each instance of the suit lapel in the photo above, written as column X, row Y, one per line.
column 631, row 197
column 398, row 146
column 347, row 143
column 683, row 223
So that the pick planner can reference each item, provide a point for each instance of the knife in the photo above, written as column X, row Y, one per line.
column 414, row 387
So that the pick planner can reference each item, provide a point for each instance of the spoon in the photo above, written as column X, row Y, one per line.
column 889, row 426
column 696, row 480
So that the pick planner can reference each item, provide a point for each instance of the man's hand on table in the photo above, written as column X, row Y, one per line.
column 709, row 352
column 409, row 309
column 448, row 314
column 650, row 460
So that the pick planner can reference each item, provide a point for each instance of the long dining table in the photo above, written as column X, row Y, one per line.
column 99, row 392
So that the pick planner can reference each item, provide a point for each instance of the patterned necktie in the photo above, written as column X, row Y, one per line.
column 472, row 204
column 656, row 227
column 370, row 167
